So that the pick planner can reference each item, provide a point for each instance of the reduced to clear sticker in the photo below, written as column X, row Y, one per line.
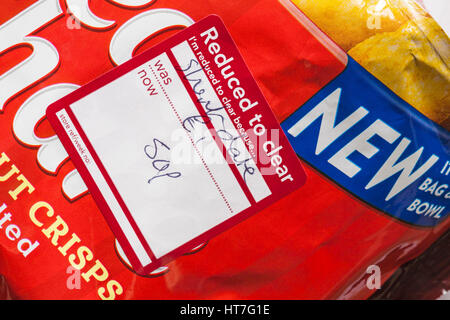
column 177, row 145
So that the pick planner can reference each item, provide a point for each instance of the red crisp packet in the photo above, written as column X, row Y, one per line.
column 177, row 145
column 323, row 240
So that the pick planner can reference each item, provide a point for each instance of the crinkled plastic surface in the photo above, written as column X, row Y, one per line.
column 397, row 42
column 426, row 277
column 317, row 243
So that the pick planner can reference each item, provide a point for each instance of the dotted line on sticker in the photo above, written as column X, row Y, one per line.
column 192, row 141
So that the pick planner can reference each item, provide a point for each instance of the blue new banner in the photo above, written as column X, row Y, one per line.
column 369, row 141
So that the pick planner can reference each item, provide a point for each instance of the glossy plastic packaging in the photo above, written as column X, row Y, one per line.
column 372, row 162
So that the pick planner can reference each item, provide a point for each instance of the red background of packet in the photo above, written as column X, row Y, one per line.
column 315, row 243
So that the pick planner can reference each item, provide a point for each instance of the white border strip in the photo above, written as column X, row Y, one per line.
column 103, row 186
column 337, row 51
